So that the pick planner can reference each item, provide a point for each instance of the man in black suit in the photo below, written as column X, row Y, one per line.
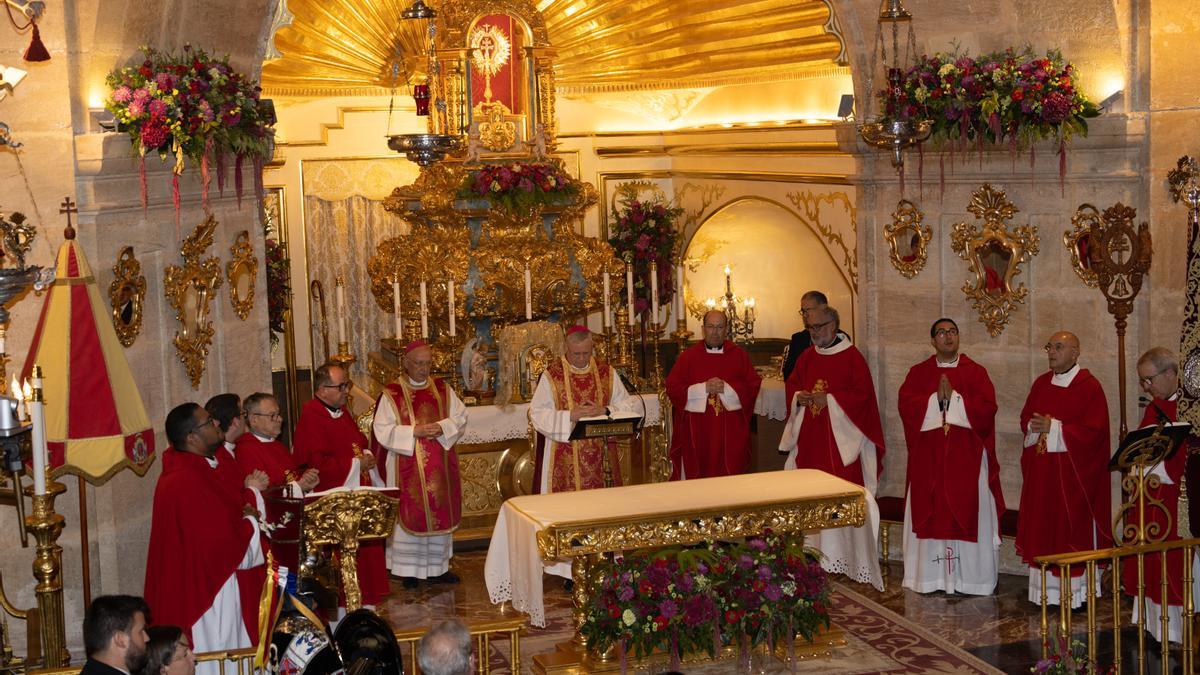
column 114, row 635
column 809, row 302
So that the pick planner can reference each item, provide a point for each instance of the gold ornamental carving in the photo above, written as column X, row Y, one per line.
column 341, row 520
column 1078, row 242
column 496, row 133
column 808, row 204
column 242, row 272
column 127, row 296
column 190, row 290
column 908, row 238
column 994, row 254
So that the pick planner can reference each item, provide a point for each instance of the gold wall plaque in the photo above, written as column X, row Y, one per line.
column 190, row 290
column 994, row 255
column 1078, row 241
column 908, row 237
column 127, row 295
column 242, row 272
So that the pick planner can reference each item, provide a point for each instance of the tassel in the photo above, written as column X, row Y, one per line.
column 920, row 171
column 237, row 179
column 259, row 191
column 37, row 51
column 1062, row 168
column 175, row 200
column 221, row 173
column 142, row 180
column 205, row 177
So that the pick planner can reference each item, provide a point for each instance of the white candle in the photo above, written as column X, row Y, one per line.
column 399, row 319
column 679, row 315
column 528, row 294
column 424, row 312
column 39, row 439
column 341, row 310
column 606, row 319
column 629, row 291
column 654, row 292
column 450, row 302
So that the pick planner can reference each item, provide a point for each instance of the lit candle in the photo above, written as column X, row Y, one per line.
column 605, row 320
column 528, row 294
column 341, row 310
column 39, row 435
column 710, row 303
column 399, row 319
column 424, row 312
column 629, row 291
column 654, row 292
column 450, row 302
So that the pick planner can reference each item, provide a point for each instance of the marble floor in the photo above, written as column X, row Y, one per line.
column 1002, row 629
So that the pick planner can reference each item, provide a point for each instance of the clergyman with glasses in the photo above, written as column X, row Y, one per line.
column 1065, row 502
column 809, row 303
column 261, row 450
column 327, row 439
column 953, row 501
column 712, row 387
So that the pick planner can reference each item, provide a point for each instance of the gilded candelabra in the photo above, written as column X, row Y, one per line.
column 740, row 322
column 45, row 525
column 621, row 352
column 682, row 335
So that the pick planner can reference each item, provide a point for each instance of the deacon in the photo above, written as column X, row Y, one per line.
column 1158, row 375
column 833, row 425
column 707, row 386
column 201, row 533
column 574, row 387
column 948, row 408
column 418, row 419
column 1065, row 503
column 327, row 439
column 261, row 450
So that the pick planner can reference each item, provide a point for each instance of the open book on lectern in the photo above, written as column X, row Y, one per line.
column 602, row 426
column 1150, row 445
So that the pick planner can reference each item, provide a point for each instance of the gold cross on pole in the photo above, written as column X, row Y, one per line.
column 68, row 207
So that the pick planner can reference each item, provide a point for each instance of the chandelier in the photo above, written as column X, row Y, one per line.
column 892, row 128
column 427, row 148
column 740, row 313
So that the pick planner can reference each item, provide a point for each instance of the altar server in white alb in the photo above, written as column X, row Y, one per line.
column 833, row 425
column 951, row 517
column 418, row 419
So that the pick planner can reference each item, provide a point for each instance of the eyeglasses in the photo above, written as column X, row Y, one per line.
column 819, row 326
column 943, row 332
column 712, row 327
column 200, row 425
column 1059, row 347
column 273, row 415
column 345, row 386
column 1147, row 381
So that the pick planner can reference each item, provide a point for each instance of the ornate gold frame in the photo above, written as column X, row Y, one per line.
column 1086, row 217
column 203, row 277
column 994, row 296
column 243, row 263
column 128, row 286
column 908, row 218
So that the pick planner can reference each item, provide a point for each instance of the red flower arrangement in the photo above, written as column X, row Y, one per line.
column 279, row 290
column 194, row 106
column 519, row 186
column 645, row 232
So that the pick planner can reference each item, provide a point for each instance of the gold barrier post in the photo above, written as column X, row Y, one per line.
column 1064, row 601
column 1045, row 618
column 1165, row 619
column 1188, row 610
column 1116, row 605
column 1091, row 609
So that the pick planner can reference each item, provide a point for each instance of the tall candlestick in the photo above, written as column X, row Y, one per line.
column 607, row 319
column 528, row 294
column 629, row 293
column 450, row 303
column 654, row 292
column 39, row 433
column 398, row 318
column 679, row 315
column 424, row 312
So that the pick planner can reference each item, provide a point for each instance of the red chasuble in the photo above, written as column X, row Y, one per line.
column 1065, row 493
column 430, row 488
column 845, row 376
column 580, row 465
column 198, row 537
column 330, row 445
column 270, row 457
column 1169, row 496
column 715, row 442
column 943, row 464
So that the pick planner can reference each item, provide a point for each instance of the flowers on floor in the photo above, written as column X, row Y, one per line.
column 1067, row 658
column 692, row 600
column 645, row 232
column 520, row 186
column 191, row 106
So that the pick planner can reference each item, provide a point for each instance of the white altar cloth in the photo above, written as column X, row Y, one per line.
column 771, row 401
column 491, row 423
column 513, row 570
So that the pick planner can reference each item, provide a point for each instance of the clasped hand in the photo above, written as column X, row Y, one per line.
column 945, row 389
column 309, row 479
column 1040, row 424
column 588, row 409
column 427, row 430
column 714, row 385
column 817, row 398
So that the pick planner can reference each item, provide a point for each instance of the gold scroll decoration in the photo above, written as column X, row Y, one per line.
column 242, row 272
column 127, row 296
column 908, row 237
column 190, row 290
column 341, row 520
column 994, row 254
column 1079, row 242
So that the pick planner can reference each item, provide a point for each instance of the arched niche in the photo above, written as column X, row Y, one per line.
column 774, row 257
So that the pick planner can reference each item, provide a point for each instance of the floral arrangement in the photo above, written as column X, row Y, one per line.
column 1068, row 658
column 768, row 589
column 519, row 186
column 191, row 106
column 645, row 232
column 279, row 290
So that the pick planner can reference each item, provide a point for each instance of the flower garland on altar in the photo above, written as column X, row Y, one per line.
column 191, row 106
column 645, row 232
column 768, row 589
column 279, row 291
column 519, row 186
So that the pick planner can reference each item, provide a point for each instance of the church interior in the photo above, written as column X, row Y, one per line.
column 354, row 228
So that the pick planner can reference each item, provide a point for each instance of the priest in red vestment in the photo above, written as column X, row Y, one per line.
column 1158, row 375
column 260, row 449
column 833, row 425
column 953, row 498
column 571, row 388
column 1065, row 502
column 327, row 439
column 201, row 533
column 418, row 419
column 712, row 387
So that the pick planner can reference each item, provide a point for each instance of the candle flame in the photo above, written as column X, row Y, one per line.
column 727, row 270
column 16, row 388
column 28, row 391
